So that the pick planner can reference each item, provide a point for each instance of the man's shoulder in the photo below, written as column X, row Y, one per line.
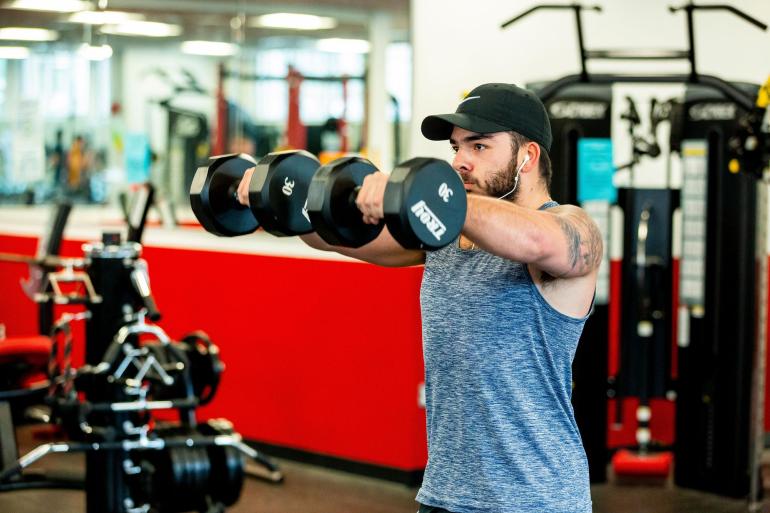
column 566, row 210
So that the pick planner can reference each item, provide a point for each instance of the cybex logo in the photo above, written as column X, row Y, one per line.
column 712, row 111
column 445, row 192
column 288, row 186
column 577, row 110
column 429, row 219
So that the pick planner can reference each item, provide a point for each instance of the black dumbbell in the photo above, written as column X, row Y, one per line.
column 277, row 194
column 424, row 203
column 213, row 196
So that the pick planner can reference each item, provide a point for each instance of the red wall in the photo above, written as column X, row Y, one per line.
column 323, row 356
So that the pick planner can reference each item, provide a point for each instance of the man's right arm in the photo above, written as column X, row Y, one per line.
column 384, row 250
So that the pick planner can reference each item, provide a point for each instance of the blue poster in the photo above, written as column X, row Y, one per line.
column 136, row 149
column 595, row 170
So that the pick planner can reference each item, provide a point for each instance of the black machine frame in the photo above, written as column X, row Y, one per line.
column 110, row 423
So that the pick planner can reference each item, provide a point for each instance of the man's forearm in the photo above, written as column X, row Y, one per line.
column 507, row 230
column 384, row 250
column 313, row 240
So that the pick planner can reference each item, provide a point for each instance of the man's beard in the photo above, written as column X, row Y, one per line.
column 503, row 181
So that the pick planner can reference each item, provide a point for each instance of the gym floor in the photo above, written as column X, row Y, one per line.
column 312, row 489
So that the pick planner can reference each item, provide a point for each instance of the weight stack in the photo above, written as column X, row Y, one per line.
column 645, row 368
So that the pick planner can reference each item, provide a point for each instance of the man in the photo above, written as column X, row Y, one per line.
column 502, row 312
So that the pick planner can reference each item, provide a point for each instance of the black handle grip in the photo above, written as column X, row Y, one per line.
column 576, row 7
column 152, row 309
column 719, row 7
column 141, row 282
column 353, row 196
column 232, row 192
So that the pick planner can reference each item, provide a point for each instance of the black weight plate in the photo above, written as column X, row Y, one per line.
column 212, row 196
column 227, row 474
column 180, row 468
column 333, row 214
column 200, row 465
column 278, row 192
column 203, row 364
column 425, row 204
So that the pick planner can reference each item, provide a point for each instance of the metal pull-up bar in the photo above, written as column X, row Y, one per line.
column 688, row 54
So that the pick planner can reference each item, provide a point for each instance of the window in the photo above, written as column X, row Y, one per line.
column 319, row 99
column 73, row 86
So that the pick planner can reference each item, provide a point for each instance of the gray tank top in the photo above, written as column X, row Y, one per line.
column 502, row 436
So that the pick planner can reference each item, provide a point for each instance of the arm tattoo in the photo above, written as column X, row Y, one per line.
column 573, row 239
column 584, row 240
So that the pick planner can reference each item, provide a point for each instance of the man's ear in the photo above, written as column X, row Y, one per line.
column 532, row 156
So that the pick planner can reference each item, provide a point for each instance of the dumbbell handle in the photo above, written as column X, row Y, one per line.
column 352, row 200
column 233, row 194
column 353, row 197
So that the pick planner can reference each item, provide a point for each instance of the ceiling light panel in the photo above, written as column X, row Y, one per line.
column 103, row 17
column 27, row 34
column 49, row 5
column 292, row 21
column 143, row 29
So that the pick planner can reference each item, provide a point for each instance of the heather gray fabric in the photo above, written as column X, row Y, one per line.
column 502, row 436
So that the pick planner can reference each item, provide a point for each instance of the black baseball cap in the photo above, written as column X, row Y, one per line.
column 493, row 108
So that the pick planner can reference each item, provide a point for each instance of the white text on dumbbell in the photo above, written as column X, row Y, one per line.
column 429, row 219
column 445, row 192
column 288, row 186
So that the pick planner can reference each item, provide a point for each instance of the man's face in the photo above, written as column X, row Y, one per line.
column 485, row 162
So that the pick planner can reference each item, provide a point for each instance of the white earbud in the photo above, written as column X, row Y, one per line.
column 516, row 179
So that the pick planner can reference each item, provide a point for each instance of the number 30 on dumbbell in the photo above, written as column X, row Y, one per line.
column 290, row 193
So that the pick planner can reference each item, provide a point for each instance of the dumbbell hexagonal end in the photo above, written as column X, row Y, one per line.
column 425, row 204
column 212, row 200
column 335, row 218
column 278, row 191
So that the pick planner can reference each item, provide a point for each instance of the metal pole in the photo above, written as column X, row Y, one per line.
column 581, row 44
column 691, row 42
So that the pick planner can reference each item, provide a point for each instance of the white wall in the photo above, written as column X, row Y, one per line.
column 459, row 44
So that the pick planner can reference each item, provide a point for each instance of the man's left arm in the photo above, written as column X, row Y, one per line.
column 562, row 241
